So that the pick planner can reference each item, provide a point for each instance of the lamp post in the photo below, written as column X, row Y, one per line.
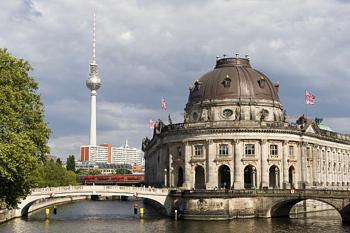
column 165, row 177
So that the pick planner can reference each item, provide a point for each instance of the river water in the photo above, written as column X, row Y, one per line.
column 117, row 216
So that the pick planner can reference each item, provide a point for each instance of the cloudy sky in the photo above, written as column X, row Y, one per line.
column 148, row 49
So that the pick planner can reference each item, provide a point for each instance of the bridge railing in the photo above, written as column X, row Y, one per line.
column 267, row 192
column 98, row 188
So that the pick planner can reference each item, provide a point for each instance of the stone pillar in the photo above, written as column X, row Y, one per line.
column 285, row 183
column 315, row 159
column 238, row 177
column 211, row 175
column 264, row 166
column 327, row 167
column 254, row 178
column 188, row 176
column 171, row 168
column 303, row 164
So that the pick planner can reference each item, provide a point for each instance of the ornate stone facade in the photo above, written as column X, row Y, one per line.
column 235, row 135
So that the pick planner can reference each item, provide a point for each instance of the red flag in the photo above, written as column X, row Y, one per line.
column 151, row 124
column 163, row 104
column 309, row 98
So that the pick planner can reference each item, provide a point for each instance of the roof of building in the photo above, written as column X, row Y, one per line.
column 233, row 78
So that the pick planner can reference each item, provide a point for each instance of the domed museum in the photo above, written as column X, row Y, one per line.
column 235, row 136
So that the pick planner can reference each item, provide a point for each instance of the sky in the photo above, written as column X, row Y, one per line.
column 149, row 49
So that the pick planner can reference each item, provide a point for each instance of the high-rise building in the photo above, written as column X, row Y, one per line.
column 101, row 153
column 127, row 155
column 107, row 154
column 93, row 83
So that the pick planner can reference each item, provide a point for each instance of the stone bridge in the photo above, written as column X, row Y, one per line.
column 43, row 197
column 255, row 203
column 197, row 204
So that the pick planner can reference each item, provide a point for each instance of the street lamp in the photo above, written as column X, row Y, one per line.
column 165, row 177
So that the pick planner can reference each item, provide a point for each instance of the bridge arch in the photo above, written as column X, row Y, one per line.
column 282, row 207
column 58, row 196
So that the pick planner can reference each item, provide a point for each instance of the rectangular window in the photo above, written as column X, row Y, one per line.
column 223, row 149
column 291, row 151
column 250, row 149
column 198, row 150
column 274, row 150
column 179, row 151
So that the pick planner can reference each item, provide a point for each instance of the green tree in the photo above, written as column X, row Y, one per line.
column 59, row 162
column 23, row 132
column 71, row 163
column 122, row 171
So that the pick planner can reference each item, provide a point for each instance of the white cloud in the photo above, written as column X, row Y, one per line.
column 147, row 50
column 127, row 36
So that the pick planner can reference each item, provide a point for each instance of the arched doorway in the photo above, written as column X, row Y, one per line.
column 199, row 178
column 180, row 177
column 224, row 177
column 291, row 172
column 249, row 177
column 274, row 176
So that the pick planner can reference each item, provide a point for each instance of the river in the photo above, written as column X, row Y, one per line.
column 117, row 216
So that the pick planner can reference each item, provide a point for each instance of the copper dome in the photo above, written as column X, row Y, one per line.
column 233, row 78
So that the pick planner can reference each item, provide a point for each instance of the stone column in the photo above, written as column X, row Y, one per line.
column 188, row 176
column 170, row 168
column 315, row 159
column 285, row 184
column 263, row 168
column 327, row 167
column 254, row 178
column 303, row 164
column 211, row 175
column 238, row 177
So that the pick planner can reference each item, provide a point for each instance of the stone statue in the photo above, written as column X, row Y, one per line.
column 284, row 115
column 263, row 114
column 204, row 116
column 170, row 121
column 186, row 117
column 158, row 127
column 301, row 120
column 318, row 120
column 238, row 113
column 145, row 142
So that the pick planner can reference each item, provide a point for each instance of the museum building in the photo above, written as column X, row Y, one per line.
column 235, row 136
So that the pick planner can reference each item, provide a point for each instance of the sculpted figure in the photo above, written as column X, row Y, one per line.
column 238, row 114
column 263, row 114
column 204, row 116
column 145, row 142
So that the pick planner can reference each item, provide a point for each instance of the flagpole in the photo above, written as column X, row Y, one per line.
column 161, row 108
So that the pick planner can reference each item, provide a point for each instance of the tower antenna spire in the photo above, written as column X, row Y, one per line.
column 94, row 40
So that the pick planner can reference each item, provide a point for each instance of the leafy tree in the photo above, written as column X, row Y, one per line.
column 88, row 172
column 23, row 132
column 59, row 162
column 71, row 163
column 122, row 171
column 52, row 174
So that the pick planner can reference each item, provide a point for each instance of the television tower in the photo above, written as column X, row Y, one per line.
column 93, row 83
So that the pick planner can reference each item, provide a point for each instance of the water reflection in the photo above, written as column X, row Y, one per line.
column 117, row 216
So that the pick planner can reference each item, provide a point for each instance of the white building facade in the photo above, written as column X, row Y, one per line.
column 127, row 155
column 235, row 135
